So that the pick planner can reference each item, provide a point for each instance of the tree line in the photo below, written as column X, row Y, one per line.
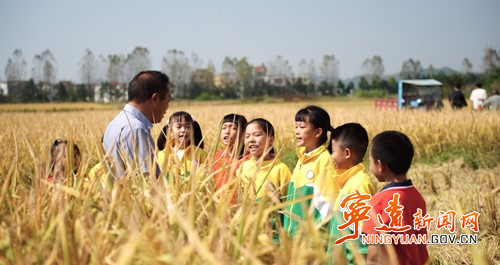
column 105, row 77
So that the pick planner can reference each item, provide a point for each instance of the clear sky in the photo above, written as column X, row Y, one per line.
column 437, row 32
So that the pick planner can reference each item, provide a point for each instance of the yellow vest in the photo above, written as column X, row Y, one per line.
column 313, row 176
column 188, row 163
column 354, row 178
column 266, row 176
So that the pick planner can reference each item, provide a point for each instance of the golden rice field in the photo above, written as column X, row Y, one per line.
column 144, row 221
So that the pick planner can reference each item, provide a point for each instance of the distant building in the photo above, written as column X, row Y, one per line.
column 259, row 72
column 4, row 89
column 224, row 80
column 277, row 80
column 305, row 79
column 110, row 92
column 200, row 77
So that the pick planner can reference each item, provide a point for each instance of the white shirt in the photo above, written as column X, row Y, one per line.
column 478, row 96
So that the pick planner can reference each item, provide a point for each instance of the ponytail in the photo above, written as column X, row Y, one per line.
column 197, row 135
column 162, row 138
column 330, row 139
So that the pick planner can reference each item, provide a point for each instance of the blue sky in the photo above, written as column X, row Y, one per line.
column 439, row 32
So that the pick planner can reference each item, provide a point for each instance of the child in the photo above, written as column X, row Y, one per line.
column 228, row 159
column 350, row 142
column 101, row 170
column 182, row 151
column 263, row 173
column 58, row 154
column 314, row 171
column 391, row 154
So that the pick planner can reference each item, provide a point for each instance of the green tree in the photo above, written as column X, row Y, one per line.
column 138, row 60
column 373, row 69
column 81, row 93
column 341, row 87
column 70, row 94
column 466, row 67
column 329, row 69
column 44, row 68
column 31, row 93
column 350, row 87
column 88, row 71
column 176, row 65
column 243, row 71
column 363, row 84
column 194, row 90
column 326, row 88
column 299, row 87
column 61, row 92
column 431, row 71
column 411, row 69
column 115, row 72
column 392, row 85
column 16, row 67
column 491, row 60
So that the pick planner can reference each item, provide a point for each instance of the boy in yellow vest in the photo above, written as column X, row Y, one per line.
column 349, row 142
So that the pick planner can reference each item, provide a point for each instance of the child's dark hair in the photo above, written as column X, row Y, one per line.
column 237, row 119
column 162, row 138
column 394, row 149
column 177, row 117
column 352, row 136
column 319, row 118
column 266, row 126
column 197, row 135
column 241, row 122
column 57, row 142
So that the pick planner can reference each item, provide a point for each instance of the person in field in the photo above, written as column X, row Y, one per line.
column 493, row 102
column 127, row 139
column 313, row 174
column 263, row 175
column 456, row 98
column 181, row 146
column 61, row 157
column 391, row 154
column 478, row 96
column 100, row 172
column 349, row 142
column 231, row 155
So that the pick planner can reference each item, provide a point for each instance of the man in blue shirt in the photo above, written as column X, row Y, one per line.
column 127, row 139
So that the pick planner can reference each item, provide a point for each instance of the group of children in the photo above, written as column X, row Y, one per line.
column 329, row 168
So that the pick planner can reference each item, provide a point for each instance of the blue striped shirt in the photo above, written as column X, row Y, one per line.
column 128, row 141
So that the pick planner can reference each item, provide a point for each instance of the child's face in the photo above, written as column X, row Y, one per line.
column 229, row 134
column 375, row 168
column 59, row 158
column 339, row 156
column 306, row 135
column 181, row 133
column 257, row 141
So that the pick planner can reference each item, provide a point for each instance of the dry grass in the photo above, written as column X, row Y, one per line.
column 143, row 221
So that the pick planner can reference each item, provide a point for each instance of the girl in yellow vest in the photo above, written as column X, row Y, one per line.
column 313, row 175
column 263, row 175
column 181, row 146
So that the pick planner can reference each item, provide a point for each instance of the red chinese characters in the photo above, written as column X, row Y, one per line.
column 446, row 220
column 356, row 212
column 471, row 220
column 422, row 221
column 395, row 212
